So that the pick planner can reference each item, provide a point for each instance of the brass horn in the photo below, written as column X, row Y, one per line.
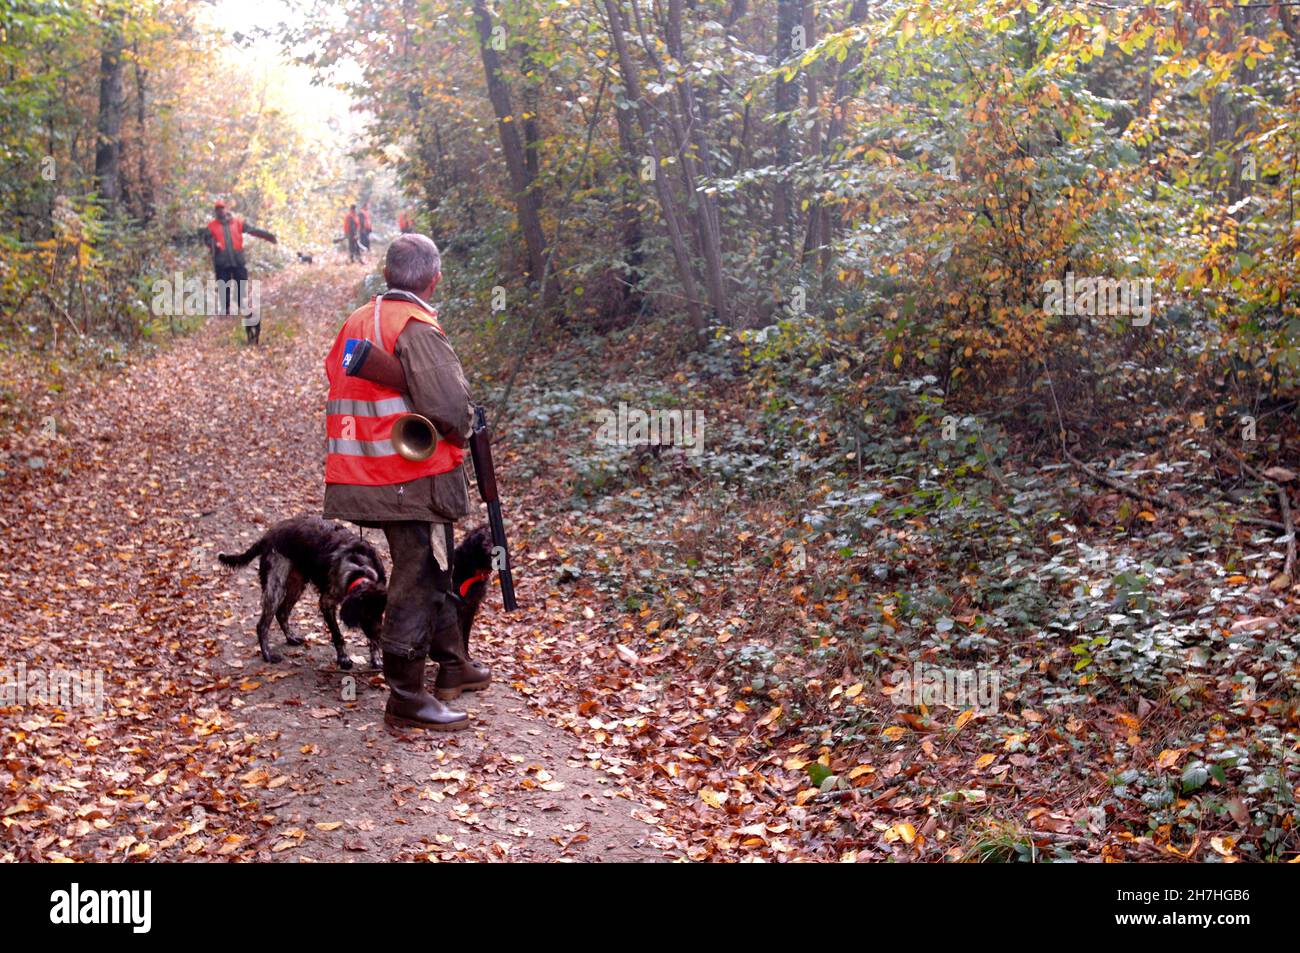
column 414, row 437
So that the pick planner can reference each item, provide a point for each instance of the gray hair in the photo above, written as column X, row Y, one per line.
column 412, row 263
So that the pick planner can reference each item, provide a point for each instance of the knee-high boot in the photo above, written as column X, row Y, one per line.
column 456, row 673
column 409, row 705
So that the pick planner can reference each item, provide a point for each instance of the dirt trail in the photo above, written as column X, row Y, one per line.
column 211, row 751
column 512, row 787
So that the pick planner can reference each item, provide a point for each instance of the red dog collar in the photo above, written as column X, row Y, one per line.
column 356, row 582
column 479, row 576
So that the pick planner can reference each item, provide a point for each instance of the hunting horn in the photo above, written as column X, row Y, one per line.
column 414, row 437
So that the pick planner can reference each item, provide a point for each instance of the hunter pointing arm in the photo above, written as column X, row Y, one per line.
column 224, row 236
column 259, row 233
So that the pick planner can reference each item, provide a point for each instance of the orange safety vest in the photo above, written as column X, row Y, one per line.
column 349, row 224
column 236, row 225
column 404, row 221
column 365, row 220
column 359, row 415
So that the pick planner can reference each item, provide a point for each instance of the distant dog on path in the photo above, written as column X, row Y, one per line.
column 344, row 568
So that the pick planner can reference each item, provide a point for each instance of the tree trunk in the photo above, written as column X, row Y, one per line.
column 785, row 98
column 629, row 215
column 708, row 228
column 815, row 235
column 144, row 183
column 527, row 204
column 833, row 217
column 108, row 145
column 667, row 203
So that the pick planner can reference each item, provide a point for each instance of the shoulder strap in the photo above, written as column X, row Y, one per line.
column 414, row 313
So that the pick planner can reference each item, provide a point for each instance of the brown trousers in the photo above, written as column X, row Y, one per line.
column 420, row 603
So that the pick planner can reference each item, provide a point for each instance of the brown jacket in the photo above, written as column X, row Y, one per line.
column 439, row 391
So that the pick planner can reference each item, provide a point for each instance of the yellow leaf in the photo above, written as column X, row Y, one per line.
column 712, row 798
column 905, row 832
column 1222, row 845
column 1169, row 757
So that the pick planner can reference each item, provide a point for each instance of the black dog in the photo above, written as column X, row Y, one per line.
column 471, row 568
column 344, row 568
column 304, row 257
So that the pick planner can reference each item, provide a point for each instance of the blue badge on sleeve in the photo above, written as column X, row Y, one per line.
column 349, row 349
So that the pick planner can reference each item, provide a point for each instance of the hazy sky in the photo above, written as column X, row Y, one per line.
column 290, row 84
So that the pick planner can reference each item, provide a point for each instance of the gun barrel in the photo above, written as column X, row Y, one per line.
column 480, row 449
column 503, row 573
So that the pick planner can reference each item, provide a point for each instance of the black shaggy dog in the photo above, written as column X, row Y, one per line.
column 471, row 568
column 344, row 568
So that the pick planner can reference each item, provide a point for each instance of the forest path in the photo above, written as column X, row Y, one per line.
column 201, row 748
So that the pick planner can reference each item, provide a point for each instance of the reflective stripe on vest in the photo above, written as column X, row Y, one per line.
column 361, row 448
column 359, row 414
column 368, row 408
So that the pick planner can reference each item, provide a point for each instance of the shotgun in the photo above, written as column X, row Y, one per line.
column 480, row 450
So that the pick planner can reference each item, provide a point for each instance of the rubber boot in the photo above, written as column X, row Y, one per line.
column 409, row 705
column 456, row 673
column 474, row 663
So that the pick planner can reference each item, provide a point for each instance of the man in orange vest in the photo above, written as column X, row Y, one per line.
column 415, row 502
column 225, row 236
column 365, row 227
column 404, row 222
column 352, row 232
